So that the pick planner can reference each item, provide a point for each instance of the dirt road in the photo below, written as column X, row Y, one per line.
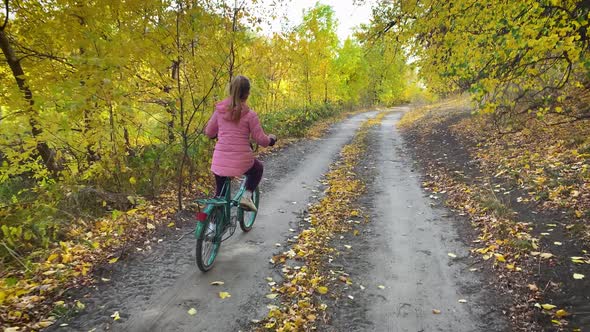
column 412, row 282
column 405, row 249
column 153, row 291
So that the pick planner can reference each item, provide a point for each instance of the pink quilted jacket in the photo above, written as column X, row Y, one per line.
column 233, row 155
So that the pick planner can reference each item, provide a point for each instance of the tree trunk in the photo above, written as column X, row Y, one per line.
column 307, row 85
column 170, row 107
column 43, row 149
column 128, row 148
column 232, row 52
column 325, row 88
column 180, row 188
column 91, row 155
column 170, row 110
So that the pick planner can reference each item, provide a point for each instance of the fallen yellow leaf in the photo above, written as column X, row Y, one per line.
column 44, row 323
column 436, row 311
column 116, row 316
column 322, row 289
column 578, row 276
column 217, row 283
column 52, row 257
column 272, row 296
column 192, row 311
column 561, row 313
column 113, row 260
column 500, row 258
column 224, row 295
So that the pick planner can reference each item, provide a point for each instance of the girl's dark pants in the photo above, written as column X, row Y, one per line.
column 254, row 175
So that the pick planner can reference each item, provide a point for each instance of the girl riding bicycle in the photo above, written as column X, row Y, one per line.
column 233, row 123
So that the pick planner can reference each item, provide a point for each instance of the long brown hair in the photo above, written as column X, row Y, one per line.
column 239, row 90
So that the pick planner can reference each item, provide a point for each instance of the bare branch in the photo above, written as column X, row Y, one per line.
column 5, row 18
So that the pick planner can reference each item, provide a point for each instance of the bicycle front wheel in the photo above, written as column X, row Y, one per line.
column 246, row 217
column 208, row 242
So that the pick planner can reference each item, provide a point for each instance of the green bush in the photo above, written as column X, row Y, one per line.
column 294, row 122
column 35, row 214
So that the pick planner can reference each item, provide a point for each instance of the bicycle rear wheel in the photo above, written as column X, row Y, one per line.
column 246, row 217
column 208, row 242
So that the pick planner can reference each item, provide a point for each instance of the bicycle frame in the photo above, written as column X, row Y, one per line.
column 224, row 200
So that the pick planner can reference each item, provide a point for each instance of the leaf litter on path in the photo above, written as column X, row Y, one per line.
column 329, row 218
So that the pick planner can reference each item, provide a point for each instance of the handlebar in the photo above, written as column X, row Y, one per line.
column 273, row 140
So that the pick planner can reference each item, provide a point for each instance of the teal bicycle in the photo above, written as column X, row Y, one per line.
column 218, row 213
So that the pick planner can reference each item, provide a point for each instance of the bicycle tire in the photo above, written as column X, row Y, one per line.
column 247, row 218
column 208, row 243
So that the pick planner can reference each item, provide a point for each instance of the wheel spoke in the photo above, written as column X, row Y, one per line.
column 206, row 246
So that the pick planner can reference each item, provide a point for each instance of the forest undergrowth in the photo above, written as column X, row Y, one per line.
column 525, row 193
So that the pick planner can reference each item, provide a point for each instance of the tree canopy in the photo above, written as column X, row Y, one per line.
column 513, row 57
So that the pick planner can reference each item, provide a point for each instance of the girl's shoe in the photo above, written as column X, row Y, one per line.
column 247, row 204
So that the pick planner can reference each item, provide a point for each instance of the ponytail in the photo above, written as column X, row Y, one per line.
column 239, row 90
